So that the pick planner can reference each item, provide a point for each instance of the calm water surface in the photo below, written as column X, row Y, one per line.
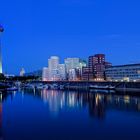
column 69, row 115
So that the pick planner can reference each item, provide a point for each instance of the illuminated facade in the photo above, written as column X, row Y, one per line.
column 71, row 65
column 128, row 73
column 53, row 64
column 72, row 75
column 22, row 72
column 62, row 72
column 79, row 70
column 96, row 65
column 87, row 74
column 96, row 68
column 45, row 74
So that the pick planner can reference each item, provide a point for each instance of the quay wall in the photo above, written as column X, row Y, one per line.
column 84, row 85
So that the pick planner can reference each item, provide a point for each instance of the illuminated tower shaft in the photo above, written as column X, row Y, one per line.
column 1, row 30
column 0, row 54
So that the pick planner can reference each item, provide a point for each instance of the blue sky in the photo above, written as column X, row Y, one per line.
column 37, row 29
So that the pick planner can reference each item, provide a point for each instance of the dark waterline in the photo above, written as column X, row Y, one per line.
column 69, row 115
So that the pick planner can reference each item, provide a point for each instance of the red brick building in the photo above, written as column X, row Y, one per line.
column 96, row 68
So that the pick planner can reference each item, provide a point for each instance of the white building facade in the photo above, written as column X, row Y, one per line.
column 71, row 65
column 62, row 72
column 45, row 74
column 22, row 72
column 53, row 64
column 70, row 70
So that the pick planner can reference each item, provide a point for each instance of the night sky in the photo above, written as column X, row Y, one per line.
column 38, row 29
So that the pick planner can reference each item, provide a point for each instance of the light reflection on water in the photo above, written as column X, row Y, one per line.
column 40, row 106
column 97, row 103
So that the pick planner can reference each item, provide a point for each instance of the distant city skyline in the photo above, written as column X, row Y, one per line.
column 36, row 30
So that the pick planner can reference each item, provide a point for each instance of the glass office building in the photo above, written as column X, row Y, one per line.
column 129, row 72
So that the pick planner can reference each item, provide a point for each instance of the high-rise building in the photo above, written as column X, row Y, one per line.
column 53, row 64
column 45, row 74
column 78, row 70
column 96, row 68
column 62, row 72
column 72, row 75
column 1, row 30
column 82, row 63
column 54, row 71
column 71, row 64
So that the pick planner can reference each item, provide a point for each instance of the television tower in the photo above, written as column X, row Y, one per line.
column 1, row 31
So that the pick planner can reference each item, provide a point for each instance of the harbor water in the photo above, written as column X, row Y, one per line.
column 69, row 115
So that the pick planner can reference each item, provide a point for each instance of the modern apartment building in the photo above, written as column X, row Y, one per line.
column 96, row 68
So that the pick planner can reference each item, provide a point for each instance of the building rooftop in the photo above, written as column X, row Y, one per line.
column 127, row 65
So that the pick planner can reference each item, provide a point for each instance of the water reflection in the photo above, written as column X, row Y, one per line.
column 32, row 110
column 97, row 103
column 2, row 98
column 1, row 135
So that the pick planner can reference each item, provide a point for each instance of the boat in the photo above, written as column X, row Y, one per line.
column 40, row 86
column 54, row 86
column 18, row 84
column 45, row 87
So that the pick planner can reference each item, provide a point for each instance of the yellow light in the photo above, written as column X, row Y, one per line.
column 0, row 97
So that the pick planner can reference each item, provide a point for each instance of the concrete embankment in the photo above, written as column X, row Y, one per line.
column 136, row 90
column 118, row 86
column 85, row 85
column 77, row 87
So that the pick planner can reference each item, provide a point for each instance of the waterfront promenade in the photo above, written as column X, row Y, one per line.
column 133, row 87
column 86, row 85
